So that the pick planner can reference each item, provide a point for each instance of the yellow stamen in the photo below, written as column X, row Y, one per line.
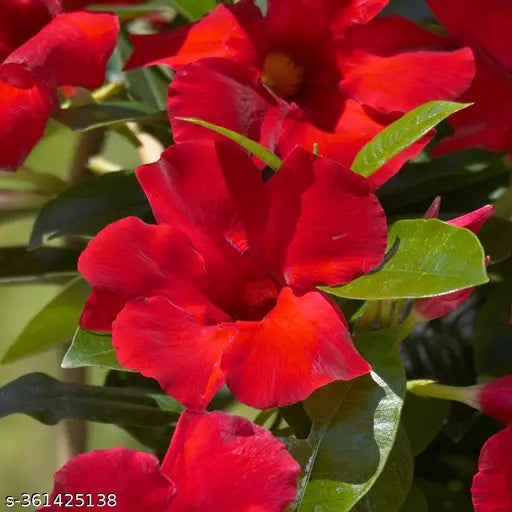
column 282, row 74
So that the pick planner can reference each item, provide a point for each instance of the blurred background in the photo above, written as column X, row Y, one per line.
column 30, row 451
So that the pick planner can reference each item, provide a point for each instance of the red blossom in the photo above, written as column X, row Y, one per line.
column 436, row 307
column 495, row 398
column 484, row 25
column 226, row 282
column 338, row 87
column 492, row 485
column 52, row 50
column 215, row 463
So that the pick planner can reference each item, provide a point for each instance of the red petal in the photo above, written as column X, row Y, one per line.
column 487, row 123
column 133, row 479
column 474, row 220
column 214, row 194
column 224, row 463
column 25, row 107
column 324, row 225
column 409, row 79
column 492, row 485
column 73, row 49
column 301, row 345
column 22, row 20
column 433, row 210
column 386, row 37
column 228, row 95
column 160, row 340
column 227, row 32
column 494, row 398
column 485, row 23
column 130, row 259
column 354, row 12
column 355, row 128
column 436, row 307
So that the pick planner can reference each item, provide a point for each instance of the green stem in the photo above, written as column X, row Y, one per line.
column 432, row 389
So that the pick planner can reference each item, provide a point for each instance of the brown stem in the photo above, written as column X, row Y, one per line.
column 72, row 438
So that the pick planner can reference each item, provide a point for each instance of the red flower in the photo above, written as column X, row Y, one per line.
column 492, row 485
column 338, row 86
column 215, row 463
column 484, row 25
column 436, row 307
column 223, row 288
column 50, row 50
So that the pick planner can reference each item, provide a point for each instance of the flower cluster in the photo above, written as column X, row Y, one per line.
column 225, row 283
column 225, row 287
column 259, row 75
column 41, row 49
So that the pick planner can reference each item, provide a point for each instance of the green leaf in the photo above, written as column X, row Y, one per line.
column 87, row 207
column 465, row 180
column 433, row 258
column 496, row 238
column 91, row 349
column 401, row 134
column 493, row 332
column 148, row 85
column 192, row 9
column 50, row 401
column 17, row 264
column 54, row 324
column 264, row 154
column 416, row 500
column 263, row 5
column 89, row 117
column 354, row 428
column 391, row 489
column 422, row 419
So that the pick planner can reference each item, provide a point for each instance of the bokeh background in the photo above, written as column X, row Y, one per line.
column 29, row 451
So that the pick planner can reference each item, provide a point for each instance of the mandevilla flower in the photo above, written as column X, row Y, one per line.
column 310, row 71
column 215, row 463
column 41, row 49
column 484, row 25
column 223, row 288
column 436, row 307
column 492, row 485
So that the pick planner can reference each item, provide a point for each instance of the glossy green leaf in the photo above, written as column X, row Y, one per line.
column 192, row 9
column 87, row 207
column 433, row 258
column 96, row 115
column 401, row 134
column 91, row 349
column 264, row 154
column 54, row 324
column 391, row 489
column 354, row 428
column 17, row 264
column 50, row 401
column 422, row 419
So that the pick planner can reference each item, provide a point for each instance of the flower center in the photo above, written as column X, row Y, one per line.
column 282, row 74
